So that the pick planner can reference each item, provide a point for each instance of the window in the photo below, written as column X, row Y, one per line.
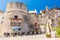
column 16, row 17
column 52, row 20
column 6, row 34
column 13, row 24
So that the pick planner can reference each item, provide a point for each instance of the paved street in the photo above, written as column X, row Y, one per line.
column 33, row 37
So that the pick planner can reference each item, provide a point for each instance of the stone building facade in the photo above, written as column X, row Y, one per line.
column 17, row 20
column 48, row 16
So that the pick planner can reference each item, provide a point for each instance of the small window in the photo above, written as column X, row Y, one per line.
column 15, row 16
column 6, row 34
column 19, row 28
column 52, row 20
column 15, row 33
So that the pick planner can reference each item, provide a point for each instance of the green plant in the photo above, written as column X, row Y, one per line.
column 58, row 31
column 48, row 35
column 52, row 28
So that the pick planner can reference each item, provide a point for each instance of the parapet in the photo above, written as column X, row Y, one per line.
column 16, row 6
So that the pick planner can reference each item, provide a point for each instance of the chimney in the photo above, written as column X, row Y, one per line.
column 35, row 10
column 41, row 11
column 47, row 8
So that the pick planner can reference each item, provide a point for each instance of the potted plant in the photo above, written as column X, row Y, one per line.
column 48, row 35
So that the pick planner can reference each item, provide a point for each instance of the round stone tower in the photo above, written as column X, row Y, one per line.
column 15, row 19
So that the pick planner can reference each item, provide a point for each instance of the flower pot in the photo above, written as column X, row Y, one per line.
column 48, row 35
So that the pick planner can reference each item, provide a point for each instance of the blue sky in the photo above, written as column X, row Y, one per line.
column 32, row 4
